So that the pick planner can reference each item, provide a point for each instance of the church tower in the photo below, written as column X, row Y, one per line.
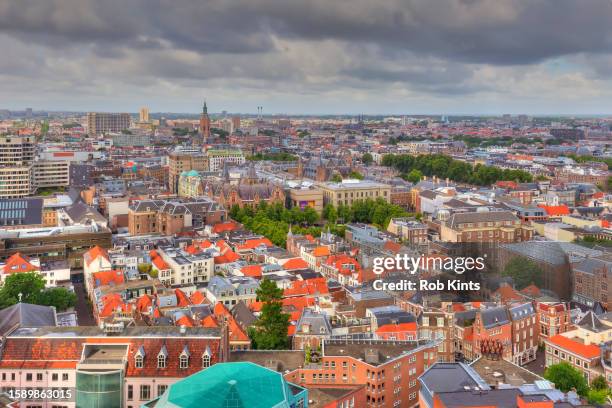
column 205, row 123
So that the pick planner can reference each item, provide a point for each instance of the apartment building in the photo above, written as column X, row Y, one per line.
column 592, row 281
column 525, row 333
column 484, row 226
column 408, row 230
column 21, row 174
column 181, row 160
column 437, row 325
column 187, row 268
column 389, row 371
column 349, row 191
column 554, row 318
column 172, row 217
column 581, row 347
column 101, row 122
column 218, row 157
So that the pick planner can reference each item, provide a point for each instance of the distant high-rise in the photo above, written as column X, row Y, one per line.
column 235, row 123
column 98, row 122
column 144, row 114
column 28, row 113
column 205, row 122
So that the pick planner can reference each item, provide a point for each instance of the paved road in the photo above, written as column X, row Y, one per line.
column 84, row 313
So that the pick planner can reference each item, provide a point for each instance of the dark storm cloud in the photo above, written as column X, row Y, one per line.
column 491, row 31
column 432, row 47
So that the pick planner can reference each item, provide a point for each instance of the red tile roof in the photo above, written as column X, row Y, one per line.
column 254, row 243
column 19, row 263
column 392, row 246
column 340, row 262
column 181, row 298
column 295, row 263
column 586, row 351
column 253, row 271
column 94, row 253
column 198, row 298
column 158, row 261
column 107, row 278
column 321, row 251
column 398, row 328
column 316, row 286
column 531, row 290
column 555, row 210
column 225, row 226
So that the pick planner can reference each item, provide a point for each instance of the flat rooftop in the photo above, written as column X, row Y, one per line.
column 320, row 397
column 374, row 352
column 502, row 371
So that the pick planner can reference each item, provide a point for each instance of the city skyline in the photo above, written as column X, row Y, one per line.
column 392, row 57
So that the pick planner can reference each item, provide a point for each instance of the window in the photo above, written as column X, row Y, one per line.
column 205, row 361
column 183, row 361
column 39, row 377
column 65, row 377
column 130, row 392
column 161, row 361
column 161, row 389
column 138, row 361
column 29, row 377
column 145, row 392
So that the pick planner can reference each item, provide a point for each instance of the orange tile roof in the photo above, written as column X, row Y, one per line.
column 198, row 298
column 316, row 286
column 185, row 321
column 158, row 261
column 19, row 263
column 181, row 298
column 321, row 251
column 583, row 350
column 107, row 278
column 94, row 253
column 210, row 321
column 144, row 303
column 253, row 271
column 339, row 262
column 507, row 293
column 555, row 210
column 295, row 263
column 254, row 243
column 397, row 328
column 225, row 226
column 255, row 306
column 392, row 246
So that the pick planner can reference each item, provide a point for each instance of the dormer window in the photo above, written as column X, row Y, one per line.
column 205, row 361
column 183, row 361
column 184, row 358
column 139, row 357
column 162, row 357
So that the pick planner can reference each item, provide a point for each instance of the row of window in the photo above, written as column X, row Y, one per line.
column 39, row 376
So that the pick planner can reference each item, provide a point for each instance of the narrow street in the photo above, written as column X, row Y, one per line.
column 84, row 313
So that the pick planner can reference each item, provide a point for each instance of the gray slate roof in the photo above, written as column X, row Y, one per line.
column 25, row 315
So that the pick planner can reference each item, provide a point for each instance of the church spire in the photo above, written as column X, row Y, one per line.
column 205, row 108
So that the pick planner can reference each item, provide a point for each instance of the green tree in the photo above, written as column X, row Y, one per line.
column 414, row 176
column 145, row 268
column 336, row 178
column 565, row 377
column 523, row 272
column 270, row 330
column 367, row 159
column 310, row 215
column 330, row 213
column 356, row 175
column 59, row 297
column 598, row 397
column 28, row 284
column 599, row 383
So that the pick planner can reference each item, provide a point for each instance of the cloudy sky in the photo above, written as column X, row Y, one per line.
column 308, row 56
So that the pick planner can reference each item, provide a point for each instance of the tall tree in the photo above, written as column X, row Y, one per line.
column 367, row 159
column 565, row 377
column 270, row 330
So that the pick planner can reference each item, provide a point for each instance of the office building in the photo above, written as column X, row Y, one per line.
column 144, row 114
column 349, row 191
column 100, row 122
